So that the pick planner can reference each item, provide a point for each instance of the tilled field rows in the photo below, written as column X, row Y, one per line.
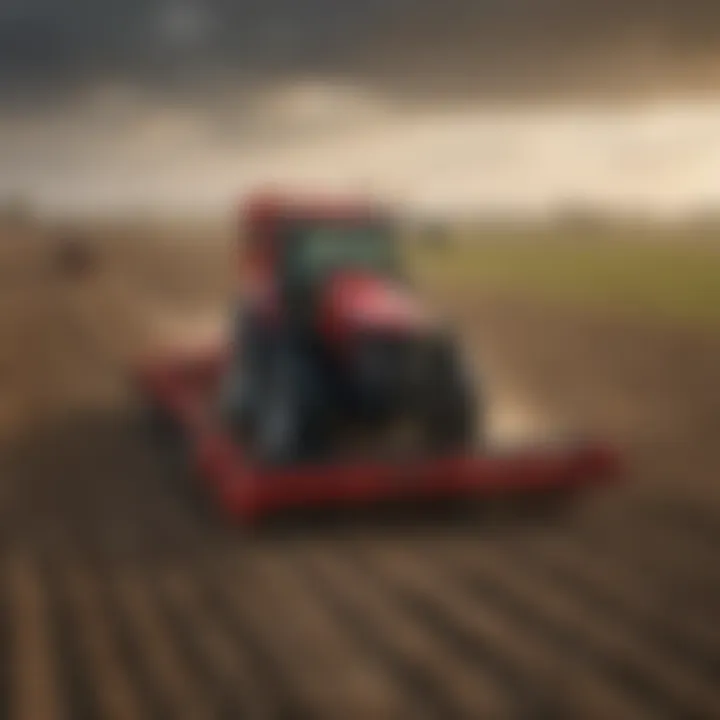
column 452, row 627
column 122, row 597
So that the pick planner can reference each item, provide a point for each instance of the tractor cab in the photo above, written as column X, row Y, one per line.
column 314, row 251
column 332, row 335
column 293, row 250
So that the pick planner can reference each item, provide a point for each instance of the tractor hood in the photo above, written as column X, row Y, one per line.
column 356, row 302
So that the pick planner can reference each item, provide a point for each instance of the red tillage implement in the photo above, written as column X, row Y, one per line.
column 182, row 389
column 333, row 344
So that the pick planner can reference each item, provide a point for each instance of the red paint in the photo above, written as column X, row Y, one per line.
column 356, row 301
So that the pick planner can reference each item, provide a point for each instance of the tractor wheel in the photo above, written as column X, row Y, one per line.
column 276, row 427
column 454, row 420
column 290, row 423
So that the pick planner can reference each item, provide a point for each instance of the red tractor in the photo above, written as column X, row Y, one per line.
column 339, row 386
column 334, row 351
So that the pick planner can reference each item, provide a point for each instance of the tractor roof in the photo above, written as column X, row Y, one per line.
column 265, row 207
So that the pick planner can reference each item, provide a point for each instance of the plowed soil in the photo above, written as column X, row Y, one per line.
column 122, row 596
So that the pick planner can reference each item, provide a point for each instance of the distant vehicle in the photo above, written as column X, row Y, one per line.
column 74, row 257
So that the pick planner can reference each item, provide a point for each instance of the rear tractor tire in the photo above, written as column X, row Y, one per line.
column 291, row 422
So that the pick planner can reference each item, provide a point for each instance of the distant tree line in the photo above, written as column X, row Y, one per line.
column 17, row 211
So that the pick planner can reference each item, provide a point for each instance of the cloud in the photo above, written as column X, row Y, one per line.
column 660, row 157
column 185, row 24
column 50, row 49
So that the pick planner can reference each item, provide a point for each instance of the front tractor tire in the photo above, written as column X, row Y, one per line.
column 454, row 413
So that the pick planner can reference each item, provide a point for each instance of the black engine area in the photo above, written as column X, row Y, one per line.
column 388, row 375
column 377, row 384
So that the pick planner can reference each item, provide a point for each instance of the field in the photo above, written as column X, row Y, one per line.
column 122, row 597
column 672, row 278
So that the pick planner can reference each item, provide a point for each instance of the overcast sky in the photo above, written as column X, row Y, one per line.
column 51, row 48
column 148, row 102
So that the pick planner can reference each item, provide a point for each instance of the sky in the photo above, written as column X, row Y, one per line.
column 523, row 104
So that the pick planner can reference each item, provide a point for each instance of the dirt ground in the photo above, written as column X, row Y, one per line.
column 122, row 597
